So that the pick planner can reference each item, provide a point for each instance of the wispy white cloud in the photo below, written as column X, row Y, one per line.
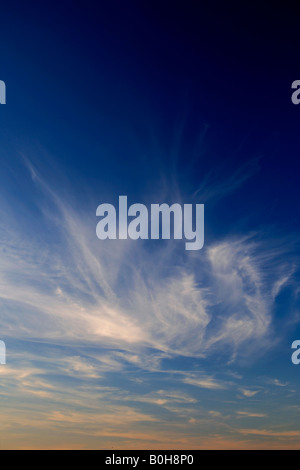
column 281, row 282
column 205, row 382
column 270, row 433
column 277, row 382
column 239, row 281
column 249, row 393
column 247, row 414
column 118, row 307
column 79, row 291
column 164, row 398
column 216, row 186
column 215, row 414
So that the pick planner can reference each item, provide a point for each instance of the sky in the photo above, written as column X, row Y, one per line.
column 140, row 344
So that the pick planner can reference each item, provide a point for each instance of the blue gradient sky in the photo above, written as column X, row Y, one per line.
column 141, row 344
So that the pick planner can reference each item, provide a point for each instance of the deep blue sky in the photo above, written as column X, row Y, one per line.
column 143, row 344
column 110, row 76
